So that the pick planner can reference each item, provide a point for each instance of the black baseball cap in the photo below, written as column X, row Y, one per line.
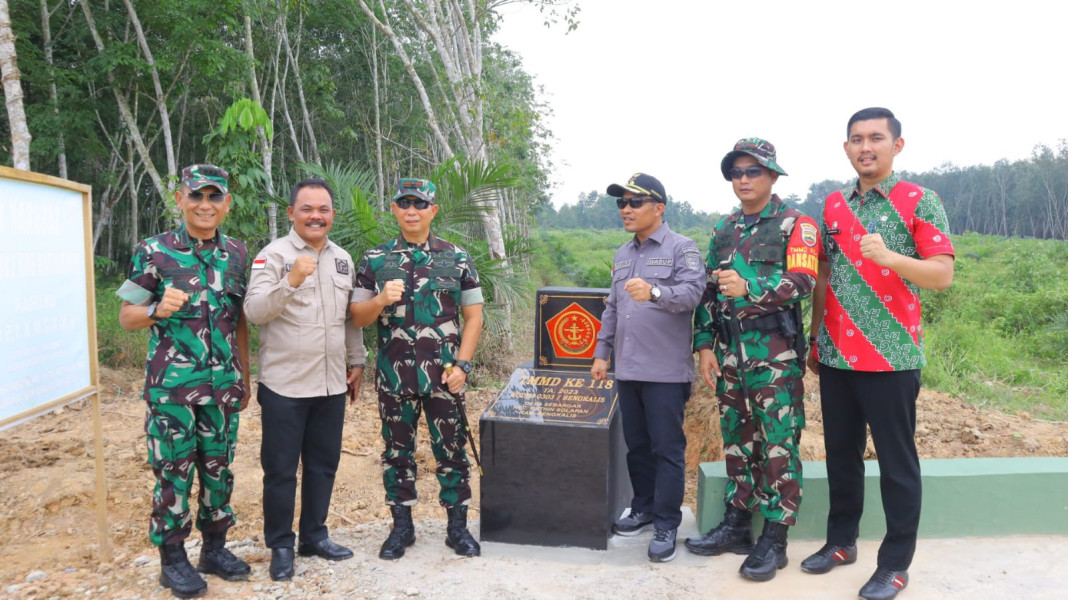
column 642, row 184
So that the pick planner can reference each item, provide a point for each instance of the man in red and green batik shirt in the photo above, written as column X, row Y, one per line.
column 883, row 240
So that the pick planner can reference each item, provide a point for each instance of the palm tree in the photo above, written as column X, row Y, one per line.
column 465, row 192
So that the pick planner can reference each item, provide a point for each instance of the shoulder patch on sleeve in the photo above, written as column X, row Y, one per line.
column 259, row 263
column 808, row 234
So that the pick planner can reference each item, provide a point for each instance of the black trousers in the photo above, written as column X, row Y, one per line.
column 885, row 402
column 656, row 447
column 308, row 431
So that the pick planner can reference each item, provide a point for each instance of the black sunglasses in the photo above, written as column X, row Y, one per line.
column 635, row 202
column 750, row 172
column 215, row 197
column 406, row 203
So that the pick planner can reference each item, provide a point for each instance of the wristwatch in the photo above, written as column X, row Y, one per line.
column 465, row 365
column 152, row 312
column 654, row 293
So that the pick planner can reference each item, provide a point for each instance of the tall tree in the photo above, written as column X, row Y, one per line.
column 12, row 79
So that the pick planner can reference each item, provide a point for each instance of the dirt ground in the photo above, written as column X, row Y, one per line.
column 47, row 505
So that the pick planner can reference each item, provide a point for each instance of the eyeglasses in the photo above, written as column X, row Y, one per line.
column 635, row 202
column 418, row 203
column 216, row 197
column 750, row 172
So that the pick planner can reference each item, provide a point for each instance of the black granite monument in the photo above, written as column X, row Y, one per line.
column 553, row 456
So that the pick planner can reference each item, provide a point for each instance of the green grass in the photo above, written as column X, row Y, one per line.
column 998, row 336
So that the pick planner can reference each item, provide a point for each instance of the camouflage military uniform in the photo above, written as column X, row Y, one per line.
column 193, row 382
column 415, row 337
column 776, row 255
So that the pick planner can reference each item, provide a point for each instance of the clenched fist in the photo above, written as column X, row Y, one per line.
column 392, row 291
column 639, row 289
column 172, row 300
column 302, row 267
column 731, row 284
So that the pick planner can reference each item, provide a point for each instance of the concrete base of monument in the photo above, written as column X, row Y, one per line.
column 961, row 497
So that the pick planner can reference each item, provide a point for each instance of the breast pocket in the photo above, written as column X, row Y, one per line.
column 235, row 285
column 657, row 275
column 767, row 258
column 304, row 303
column 342, row 292
column 188, row 280
column 445, row 280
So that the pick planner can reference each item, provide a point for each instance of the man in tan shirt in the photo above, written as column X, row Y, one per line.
column 298, row 293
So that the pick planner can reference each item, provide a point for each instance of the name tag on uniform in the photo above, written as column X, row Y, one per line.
column 623, row 264
column 660, row 262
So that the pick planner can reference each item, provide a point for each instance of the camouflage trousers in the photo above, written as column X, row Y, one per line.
column 183, row 440
column 400, row 419
column 762, row 438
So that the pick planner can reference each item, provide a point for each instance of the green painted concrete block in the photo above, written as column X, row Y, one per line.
column 961, row 497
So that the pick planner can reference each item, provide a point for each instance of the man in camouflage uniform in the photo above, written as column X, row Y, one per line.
column 186, row 287
column 749, row 336
column 415, row 287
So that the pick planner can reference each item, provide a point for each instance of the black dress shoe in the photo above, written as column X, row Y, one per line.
column 281, row 564
column 829, row 557
column 325, row 549
column 884, row 584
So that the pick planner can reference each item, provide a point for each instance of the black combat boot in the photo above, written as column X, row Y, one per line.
column 177, row 574
column 401, row 536
column 217, row 560
column 734, row 534
column 769, row 555
column 459, row 538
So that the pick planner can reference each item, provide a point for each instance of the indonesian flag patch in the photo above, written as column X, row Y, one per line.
column 259, row 263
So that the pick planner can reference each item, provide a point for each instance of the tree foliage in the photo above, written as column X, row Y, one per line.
column 144, row 88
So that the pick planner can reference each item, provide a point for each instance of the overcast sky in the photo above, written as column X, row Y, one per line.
column 668, row 86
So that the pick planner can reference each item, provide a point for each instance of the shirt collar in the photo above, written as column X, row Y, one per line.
column 433, row 243
column 185, row 241
column 883, row 187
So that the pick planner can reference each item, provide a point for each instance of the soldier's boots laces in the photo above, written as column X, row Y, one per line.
column 401, row 536
column 769, row 555
column 177, row 574
column 884, row 584
column 829, row 557
column 459, row 538
column 217, row 560
column 734, row 534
